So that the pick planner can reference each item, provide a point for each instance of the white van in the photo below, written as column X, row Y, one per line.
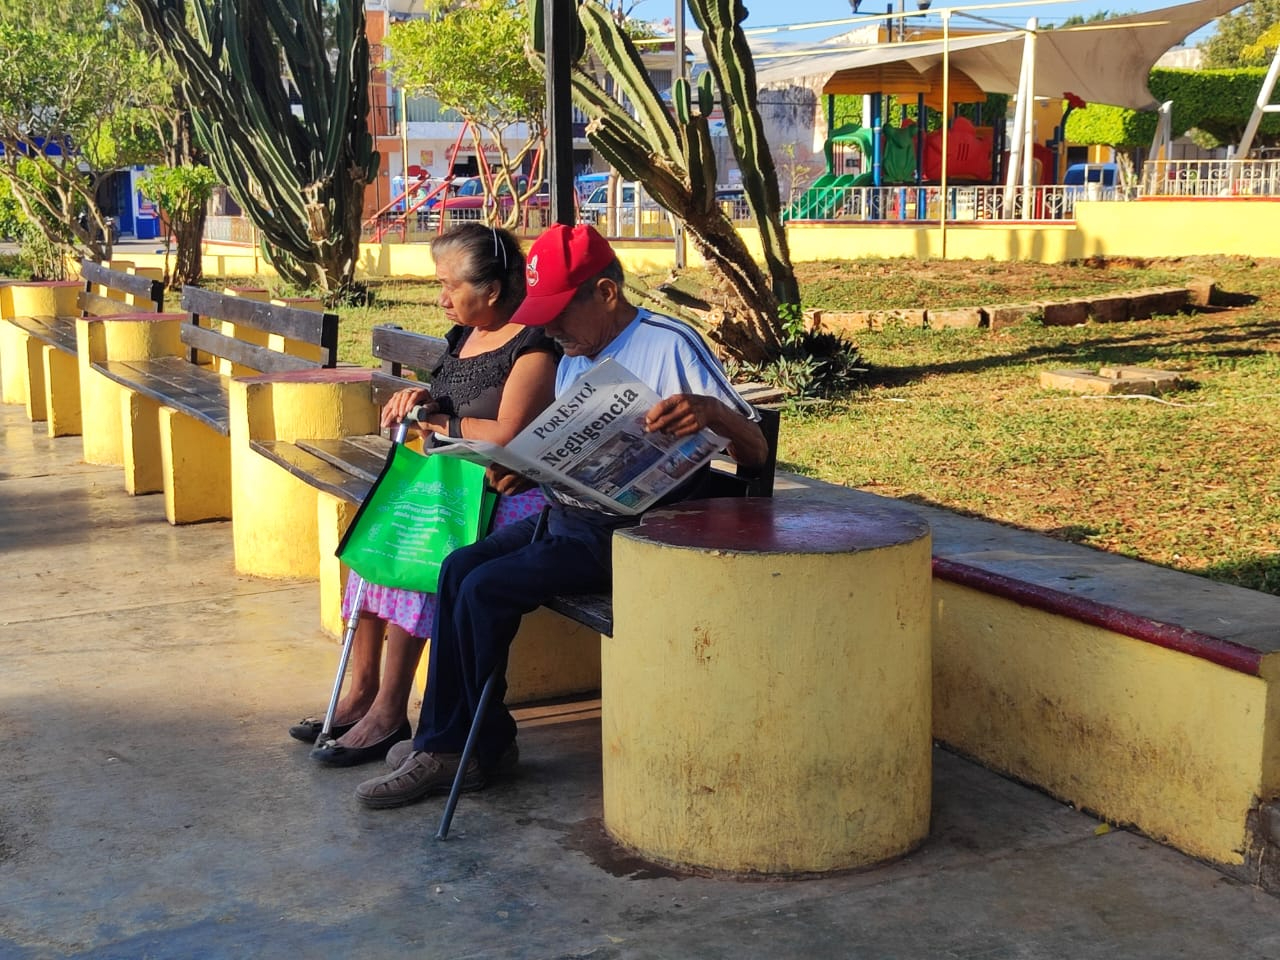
column 595, row 208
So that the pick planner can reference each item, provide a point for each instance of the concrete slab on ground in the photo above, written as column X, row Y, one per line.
column 153, row 807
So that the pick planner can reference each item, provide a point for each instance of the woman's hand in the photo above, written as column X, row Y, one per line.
column 507, row 482
column 402, row 401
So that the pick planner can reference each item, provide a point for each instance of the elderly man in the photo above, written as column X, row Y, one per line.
column 575, row 292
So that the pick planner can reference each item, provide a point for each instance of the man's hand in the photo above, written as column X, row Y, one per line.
column 507, row 482
column 402, row 401
column 685, row 414
column 682, row 415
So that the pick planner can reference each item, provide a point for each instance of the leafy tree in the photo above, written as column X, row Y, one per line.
column 182, row 194
column 469, row 55
column 1217, row 103
column 74, row 106
column 279, row 98
column 1264, row 48
column 1236, row 41
column 1079, row 20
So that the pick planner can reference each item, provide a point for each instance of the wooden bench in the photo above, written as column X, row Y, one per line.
column 176, row 413
column 49, row 340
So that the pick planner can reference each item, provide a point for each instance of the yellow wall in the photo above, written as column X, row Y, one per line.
column 1136, row 733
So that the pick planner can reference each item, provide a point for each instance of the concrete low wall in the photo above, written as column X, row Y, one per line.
column 1091, row 706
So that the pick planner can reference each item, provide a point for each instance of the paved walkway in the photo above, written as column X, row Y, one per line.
column 152, row 807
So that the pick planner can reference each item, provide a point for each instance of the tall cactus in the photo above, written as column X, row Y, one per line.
column 674, row 159
column 300, row 177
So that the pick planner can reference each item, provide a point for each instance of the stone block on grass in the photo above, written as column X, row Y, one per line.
column 912, row 319
column 1004, row 315
column 1201, row 291
column 1086, row 381
column 960, row 318
column 1066, row 313
column 1157, row 302
column 1109, row 309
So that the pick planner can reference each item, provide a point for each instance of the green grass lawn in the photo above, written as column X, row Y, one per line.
column 957, row 418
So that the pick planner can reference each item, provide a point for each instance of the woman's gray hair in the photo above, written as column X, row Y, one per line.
column 486, row 255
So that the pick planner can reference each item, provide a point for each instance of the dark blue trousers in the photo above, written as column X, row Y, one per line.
column 485, row 589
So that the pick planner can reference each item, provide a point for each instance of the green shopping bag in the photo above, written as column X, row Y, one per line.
column 420, row 510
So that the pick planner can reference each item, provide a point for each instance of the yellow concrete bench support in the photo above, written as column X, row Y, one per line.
column 275, row 526
column 22, row 357
column 766, row 691
column 126, row 429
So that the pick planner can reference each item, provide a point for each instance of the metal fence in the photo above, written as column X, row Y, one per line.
column 1211, row 178
column 230, row 230
column 961, row 203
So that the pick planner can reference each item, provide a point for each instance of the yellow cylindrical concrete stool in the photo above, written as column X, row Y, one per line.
column 766, row 692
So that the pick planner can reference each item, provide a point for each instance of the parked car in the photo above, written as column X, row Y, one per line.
column 468, row 202
column 595, row 208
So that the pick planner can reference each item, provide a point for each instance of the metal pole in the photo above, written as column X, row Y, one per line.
column 1028, row 119
column 946, row 116
column 559, row 19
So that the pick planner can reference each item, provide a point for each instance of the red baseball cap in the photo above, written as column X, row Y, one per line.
column 559, row 262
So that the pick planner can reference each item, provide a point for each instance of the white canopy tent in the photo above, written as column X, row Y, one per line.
column 1104, row 62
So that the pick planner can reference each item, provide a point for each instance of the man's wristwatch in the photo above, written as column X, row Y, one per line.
column 455, row 426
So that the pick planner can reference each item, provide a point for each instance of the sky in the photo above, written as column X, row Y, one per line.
column 770, row 13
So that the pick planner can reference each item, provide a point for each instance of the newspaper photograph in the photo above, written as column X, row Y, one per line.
column 590, row 447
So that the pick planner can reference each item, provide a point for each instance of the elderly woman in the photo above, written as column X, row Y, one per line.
column 495, row 377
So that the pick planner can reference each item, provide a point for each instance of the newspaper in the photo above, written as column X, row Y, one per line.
column 590, row 449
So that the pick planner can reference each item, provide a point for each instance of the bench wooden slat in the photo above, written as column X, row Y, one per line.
column 307, row 326
column 96, row 305
column 141, row 287
column 238, row 351
column 58, row 332
column 314, row 471
column 398, row 348
column 173, row 382
column 593, row 610
column 361, row 459
column 382, row 386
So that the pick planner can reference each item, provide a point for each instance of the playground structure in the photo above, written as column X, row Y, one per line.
column 913, row 178
column 420, row 205
column 910, row 155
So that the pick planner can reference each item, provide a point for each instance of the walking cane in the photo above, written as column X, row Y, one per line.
column 353, row 621
column 442, row 832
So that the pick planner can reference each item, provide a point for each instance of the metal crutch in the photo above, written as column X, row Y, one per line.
column 442, row 832
column 353, row 621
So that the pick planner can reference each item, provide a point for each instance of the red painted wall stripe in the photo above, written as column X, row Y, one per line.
column 1225, row 653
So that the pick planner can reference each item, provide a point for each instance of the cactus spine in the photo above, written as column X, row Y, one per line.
column 674, row 159
column 300, row 179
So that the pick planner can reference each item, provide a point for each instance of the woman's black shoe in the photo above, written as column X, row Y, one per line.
column 307, row 730
column 333, row 754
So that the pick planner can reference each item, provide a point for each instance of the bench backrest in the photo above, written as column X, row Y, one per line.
column 751, row 481
column 203, row 333
column 148, row 294
column 399, row 349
